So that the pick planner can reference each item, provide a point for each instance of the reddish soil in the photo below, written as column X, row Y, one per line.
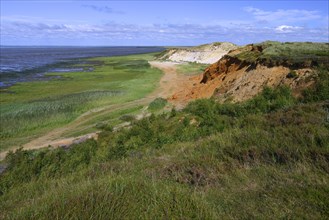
column 180, row 89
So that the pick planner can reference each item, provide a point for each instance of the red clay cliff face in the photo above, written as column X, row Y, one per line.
column 224, row 66
column 238, row 80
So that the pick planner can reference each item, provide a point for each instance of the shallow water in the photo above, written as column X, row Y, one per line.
column 19, row 64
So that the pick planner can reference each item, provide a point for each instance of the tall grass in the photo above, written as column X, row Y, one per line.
column 17, row 119
column 290, row 54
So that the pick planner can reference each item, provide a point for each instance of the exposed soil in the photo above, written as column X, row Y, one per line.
column 244, row 72
column 208, row 53
column 180, row 89
column 237, row 81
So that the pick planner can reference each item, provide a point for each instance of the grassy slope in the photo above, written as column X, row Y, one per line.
column 32, row 108
column 191, row 68
column 263, row 159
column 291, row 54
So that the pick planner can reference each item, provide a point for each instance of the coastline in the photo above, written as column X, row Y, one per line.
column 28, row 63
column 32, row 109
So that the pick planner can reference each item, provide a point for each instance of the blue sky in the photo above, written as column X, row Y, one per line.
column 115, row 23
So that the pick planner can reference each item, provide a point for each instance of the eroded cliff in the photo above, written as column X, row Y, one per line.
column 244, row 72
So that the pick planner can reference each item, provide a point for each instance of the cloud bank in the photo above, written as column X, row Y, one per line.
column 281, row 25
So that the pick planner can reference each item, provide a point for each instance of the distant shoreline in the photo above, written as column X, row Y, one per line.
column 31, row 63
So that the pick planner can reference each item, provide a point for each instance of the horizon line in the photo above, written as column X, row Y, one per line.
column 157, row 45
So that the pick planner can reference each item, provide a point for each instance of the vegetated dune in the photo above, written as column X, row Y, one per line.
column 207, row 53
column 245, row 71
column 266, row 158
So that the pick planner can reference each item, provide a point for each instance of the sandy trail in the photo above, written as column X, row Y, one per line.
column 173, row 83
column 170, row 84
column 180, row 89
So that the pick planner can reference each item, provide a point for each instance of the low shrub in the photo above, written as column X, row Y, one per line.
column 292, row 74
column 127, row 118
column 320, row 91
column 157, row 104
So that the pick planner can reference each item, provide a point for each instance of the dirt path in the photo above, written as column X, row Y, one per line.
column 170, row 84
column 173, row 83
column 180, row 89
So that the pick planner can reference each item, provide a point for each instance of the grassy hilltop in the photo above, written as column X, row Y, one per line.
column 264, row 158
column 291, row 54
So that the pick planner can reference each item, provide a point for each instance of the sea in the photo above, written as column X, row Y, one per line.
column 21, row 64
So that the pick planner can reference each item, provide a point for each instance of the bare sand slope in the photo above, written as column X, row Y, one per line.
column 207, row 53
column 180, row 89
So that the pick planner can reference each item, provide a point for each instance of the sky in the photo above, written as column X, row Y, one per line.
column 161, row 23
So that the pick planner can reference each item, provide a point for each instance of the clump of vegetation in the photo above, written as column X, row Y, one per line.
column 217, row 43
column 157, row 104
column 104, row 126
column 292, row 74
column 127, row 118
column 321, row 89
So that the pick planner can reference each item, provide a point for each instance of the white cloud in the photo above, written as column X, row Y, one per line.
column 287, row 29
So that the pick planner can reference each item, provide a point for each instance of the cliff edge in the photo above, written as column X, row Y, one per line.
column 245, row 71
column 207, row 53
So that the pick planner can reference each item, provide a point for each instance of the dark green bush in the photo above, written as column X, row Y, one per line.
column 292, row 74
column 320, row 91
column 25, row 166
column 127, row 118
column 157, row 104
column 104, row 126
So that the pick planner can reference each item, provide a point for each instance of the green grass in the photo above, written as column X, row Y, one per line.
column 191, row 68
column 157, row 104
column 101, row 120
column 214, row 177
column 291, row 54
column 33, row 108
column 266, row 158
column 321, row 90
